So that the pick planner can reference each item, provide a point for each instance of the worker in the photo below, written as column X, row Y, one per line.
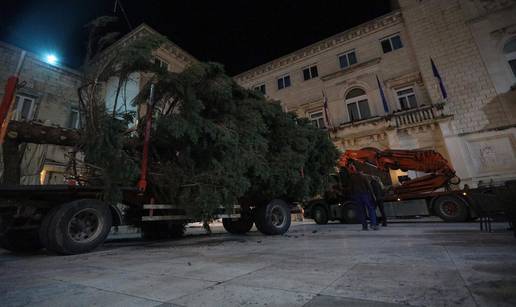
column 379, row 194
column 362, row 194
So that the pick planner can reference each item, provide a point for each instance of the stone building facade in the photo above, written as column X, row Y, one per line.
column 47, row 95
column 472, row 44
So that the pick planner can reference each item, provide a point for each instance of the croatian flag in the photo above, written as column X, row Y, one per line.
column 326, row 111
column 382, row 94
column 438, row 76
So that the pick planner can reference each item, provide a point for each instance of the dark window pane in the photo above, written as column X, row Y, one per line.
column 386, row 46
column 352, row 57
column 313, row 71
column 306, row 74
column 280, row 83
column 343, row 61
column 262, row 89
column 510, row 46
column 412, row 101
column 355, row 93
column 364, row 109
column 353, row 112
column 287, row 81
column 513, row 66
column 403, row 103
column 321, row 124
column 396, row 42
column 25, row 112
column 404, row 92
column 74, row 119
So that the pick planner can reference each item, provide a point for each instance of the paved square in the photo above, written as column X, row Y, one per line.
column 420, row 264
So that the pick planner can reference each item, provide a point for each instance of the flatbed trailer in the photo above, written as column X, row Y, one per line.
column 68, row 219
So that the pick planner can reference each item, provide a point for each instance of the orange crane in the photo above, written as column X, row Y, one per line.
column 440, row 173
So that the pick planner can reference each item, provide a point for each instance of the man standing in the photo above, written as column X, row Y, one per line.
column 379, row 194
column 362, row 194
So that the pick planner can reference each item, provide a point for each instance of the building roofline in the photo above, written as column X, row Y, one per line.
column 38, row 58
column 178, row 51
column 388, row 19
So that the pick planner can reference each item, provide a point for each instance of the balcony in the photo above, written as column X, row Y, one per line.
column 424, row 115
column 416, row 117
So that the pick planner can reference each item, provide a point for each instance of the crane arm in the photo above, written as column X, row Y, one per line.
column 439, row 170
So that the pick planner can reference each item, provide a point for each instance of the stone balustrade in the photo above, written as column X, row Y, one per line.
column 414, row 117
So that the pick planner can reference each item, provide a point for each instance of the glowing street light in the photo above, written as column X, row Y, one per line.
column 51, row 59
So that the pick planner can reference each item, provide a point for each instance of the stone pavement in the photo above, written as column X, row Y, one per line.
column 428, row 264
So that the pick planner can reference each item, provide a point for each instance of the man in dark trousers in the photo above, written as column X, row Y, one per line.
column 362, row 194
column 379, row 195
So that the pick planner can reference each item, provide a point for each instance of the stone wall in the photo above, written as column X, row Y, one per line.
column 54, row 90
column 439, row 30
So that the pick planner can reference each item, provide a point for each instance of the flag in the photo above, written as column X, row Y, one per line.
column 384, row 100
column 326, row 111
column 438, row 76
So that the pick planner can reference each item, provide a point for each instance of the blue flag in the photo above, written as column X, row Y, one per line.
column 438, row 76
column 384, row 100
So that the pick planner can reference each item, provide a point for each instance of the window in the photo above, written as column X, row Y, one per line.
column 310, row 72
column 74, row 119
column 358, row 105
column 260, row 88
column 283, row 82
column 161, row 63
column 391, row 43
column 24, row 108
column 317, row 119
column 407, row 98
column 347, row 59
column 510, row 54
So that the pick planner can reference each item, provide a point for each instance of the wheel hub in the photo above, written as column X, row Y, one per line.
column 277, row 217
column 450, row 208
column 84, row 226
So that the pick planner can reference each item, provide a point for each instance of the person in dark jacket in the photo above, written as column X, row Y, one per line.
column 379, row 195
column 362, row 194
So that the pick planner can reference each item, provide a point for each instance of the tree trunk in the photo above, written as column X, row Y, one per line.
column 32, row 132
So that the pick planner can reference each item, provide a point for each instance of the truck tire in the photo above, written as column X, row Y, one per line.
column 240, row 226
column 451, row 209
column 78, row 226
column 273, row 218
column 320, row 215
column 21, row 240
column 44, row 228
column 350, row 213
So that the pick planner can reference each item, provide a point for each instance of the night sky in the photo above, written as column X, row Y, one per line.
column 239, row 34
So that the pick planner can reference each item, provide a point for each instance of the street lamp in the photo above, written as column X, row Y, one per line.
column 51, row 59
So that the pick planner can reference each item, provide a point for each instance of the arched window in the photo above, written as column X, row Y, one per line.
column 358, row 106
column 509, row 51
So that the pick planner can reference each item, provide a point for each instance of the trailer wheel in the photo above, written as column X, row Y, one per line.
column 273, row 218
column 320, row 215
column 451, row 209
column 78, row 226
column 240, row 226
column 21, row 241
column 350, row 213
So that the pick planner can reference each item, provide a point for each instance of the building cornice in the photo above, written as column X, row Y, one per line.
column 56, row 67
column 336, row 40
column 143, row 30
